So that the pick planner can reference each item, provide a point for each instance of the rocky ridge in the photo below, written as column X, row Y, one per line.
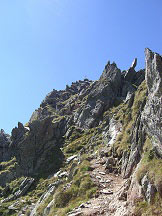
column 110, row 127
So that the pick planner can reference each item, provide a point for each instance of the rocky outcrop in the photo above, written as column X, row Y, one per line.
column 24, row 186
column 51, row 190
column 100, row 96
column 132, row 158
column 148, row 189
column 148, row 124
column 152, row 115
column 112, row 74
column 4, row 146
column 130, row 74
column 38, row 147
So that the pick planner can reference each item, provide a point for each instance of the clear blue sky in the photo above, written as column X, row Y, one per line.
column 46, row 44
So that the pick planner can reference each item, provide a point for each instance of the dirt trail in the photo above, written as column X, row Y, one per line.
column 106, row 203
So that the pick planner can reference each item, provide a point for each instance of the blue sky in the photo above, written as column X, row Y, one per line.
column 46, row 44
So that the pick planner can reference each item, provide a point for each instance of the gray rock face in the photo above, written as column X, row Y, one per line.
column 139, row 77
column 39, row 148
column 149, row 120
column 153, row 72
column 130, row 160
column 112, row 73
column 134, row 63
column 130, row 73
column 148, row 189
column 18, row 132
column 127, row 89
column 4, row 146
column 101, row 96
column 152, row 115
column 54, row 103
column 55, row 97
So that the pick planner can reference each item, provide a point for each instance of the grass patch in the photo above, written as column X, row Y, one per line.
column 151, row 165
column 81, row 190
column 142, row 208
column 4, row 211
column 77, row 144
column 44, row 205
column 127, row 116
column 9, row 165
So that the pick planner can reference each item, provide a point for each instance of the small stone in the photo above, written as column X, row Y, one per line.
column 102, row 181
column 63, row 174
column 70, row 159
column 75, row 213
column 82, row 205
column 102, row 173
column 104, row 191
column 108, row 181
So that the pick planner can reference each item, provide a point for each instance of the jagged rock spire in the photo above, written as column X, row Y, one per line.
column 134, row 63
column 153, row 74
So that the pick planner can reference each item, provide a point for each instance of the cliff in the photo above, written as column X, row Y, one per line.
column 94, row 148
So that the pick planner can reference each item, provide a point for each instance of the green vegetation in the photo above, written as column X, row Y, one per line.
column 127, row 116
column 139, row 100
column 8, row 166
column 142, row 208
column 44, row 205
column 14, row 185
column 57, row 119
column 81, row 189
column 151, row 165
column 5, row 211
column 38, row 188
column 75, row 145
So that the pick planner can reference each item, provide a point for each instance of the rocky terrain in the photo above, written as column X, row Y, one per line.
column 94, row 148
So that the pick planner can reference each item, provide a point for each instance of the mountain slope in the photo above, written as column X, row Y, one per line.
column 52, row 164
